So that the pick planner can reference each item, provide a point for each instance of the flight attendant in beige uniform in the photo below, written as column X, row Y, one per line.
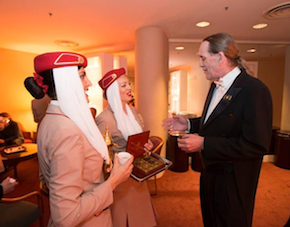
column 71, row 149
column 132, row 205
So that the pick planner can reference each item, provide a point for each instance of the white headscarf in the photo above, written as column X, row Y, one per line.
column 126, row 123
column 72, row 102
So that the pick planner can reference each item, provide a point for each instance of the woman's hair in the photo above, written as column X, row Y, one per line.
column 105, row 95
column 36, row 91
column 223, row 42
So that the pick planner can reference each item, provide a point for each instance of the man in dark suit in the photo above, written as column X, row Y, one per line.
column 10, row 134
column 232, row 135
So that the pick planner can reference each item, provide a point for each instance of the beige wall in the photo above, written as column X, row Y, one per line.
column 271, row 72
column 285, row 121
column 198, row 87
column 15, row 99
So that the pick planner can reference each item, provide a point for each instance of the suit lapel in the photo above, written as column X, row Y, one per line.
column 225, row 101
column 207, row 102
column 223, row 104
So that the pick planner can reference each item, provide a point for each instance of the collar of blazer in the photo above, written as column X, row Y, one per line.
column 225, row 101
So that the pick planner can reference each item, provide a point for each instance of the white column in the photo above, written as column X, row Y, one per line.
column 151, row 78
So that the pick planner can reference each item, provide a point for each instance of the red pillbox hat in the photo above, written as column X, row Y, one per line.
column 53, row 60
column 110, row 77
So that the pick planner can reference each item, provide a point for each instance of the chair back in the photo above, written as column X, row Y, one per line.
column 157, row 144
column 15, row 212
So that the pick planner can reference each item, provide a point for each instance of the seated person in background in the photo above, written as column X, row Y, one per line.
column 10, row 133
column 6, row 186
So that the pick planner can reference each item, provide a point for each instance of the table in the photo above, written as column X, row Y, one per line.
column 178, row 157
column 282, row 149
column 14, row 159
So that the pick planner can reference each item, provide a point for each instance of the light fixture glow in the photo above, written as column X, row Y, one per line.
column 252, row 50
column 260, row 26
column 202, row 24
column 179, row 48
column 65, row 43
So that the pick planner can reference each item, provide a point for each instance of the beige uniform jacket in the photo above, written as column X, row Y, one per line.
column 72, row 171
column 132, row 201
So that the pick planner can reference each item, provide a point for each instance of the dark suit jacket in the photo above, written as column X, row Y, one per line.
column 239, row 131
column 12, row 134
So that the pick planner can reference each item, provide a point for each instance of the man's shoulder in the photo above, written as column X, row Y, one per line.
column 250, row 81
column 12, row 125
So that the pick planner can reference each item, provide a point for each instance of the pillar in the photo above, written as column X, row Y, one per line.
column 285, row 119
column 151, row 78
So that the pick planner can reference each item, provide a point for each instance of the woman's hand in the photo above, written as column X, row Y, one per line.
column 148, row 146
column 108, row 167
column 120, row 173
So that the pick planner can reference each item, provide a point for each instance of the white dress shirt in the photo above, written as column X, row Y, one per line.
column 222, row 86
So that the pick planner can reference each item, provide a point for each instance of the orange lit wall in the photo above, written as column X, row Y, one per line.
column 14, row 98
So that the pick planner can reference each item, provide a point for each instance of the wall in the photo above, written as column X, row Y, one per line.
column 271, row 73
column 15, row 99
column 198, row 87
column 285, row 122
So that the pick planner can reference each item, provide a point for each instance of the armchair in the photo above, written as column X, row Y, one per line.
column 15, row 212
column 27, row 137
column 157, row 146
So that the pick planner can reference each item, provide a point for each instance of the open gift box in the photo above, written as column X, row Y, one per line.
column 145, row 165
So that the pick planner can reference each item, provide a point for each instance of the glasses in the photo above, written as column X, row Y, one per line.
column 4, row 121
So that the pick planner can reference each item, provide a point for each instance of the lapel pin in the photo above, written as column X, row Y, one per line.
column 228, row 97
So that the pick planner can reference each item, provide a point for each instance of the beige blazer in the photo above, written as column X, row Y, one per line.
column 132, row 201
column 72, row 170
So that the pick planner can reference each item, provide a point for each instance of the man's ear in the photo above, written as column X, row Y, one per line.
column 221, row 57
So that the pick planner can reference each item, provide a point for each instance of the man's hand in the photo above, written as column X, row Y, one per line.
column 191, row 143
column 2, row 141
column 176, row 123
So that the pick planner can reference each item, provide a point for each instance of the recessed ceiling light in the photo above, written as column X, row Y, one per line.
column 202, row 24
column 65, row 43
column 179, row 48
column 260, row 26
column 252, row 50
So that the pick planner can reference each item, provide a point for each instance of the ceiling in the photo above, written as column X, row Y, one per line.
column 110, row 25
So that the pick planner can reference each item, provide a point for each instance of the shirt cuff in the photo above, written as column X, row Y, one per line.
column 188, row 126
